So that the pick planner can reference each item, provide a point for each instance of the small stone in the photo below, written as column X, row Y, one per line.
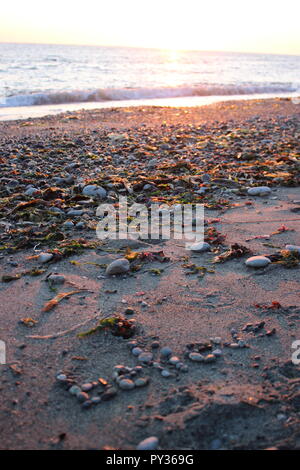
column 165, row 373
column 165, row 352
column 56, row 279
column 92, row 190
column 151, row 443
column 87, row 404
column 126, row 384
column 68, row 225
column 259, row 191
column 217, row 352
column 141, row 382
column 210, row 358
column 257, row 261
column 75, row 212
column 145, row 357
column 196, row 357
column 234, row 345
column 174, row 360
column 61, row 377
column 155, row 345
column 199, row 247
column 119, row 266
column 31, row 191
column 109, row 394
column 86, row 387
column 95, row 400
column 74, row 390
column 137, row 351
column 82, row 397
column 45, row 257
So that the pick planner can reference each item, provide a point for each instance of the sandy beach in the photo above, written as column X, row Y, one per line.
column 228, row 380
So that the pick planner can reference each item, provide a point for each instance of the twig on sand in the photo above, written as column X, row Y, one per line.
column 63, row 333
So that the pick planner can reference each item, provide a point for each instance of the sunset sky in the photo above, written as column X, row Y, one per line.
column 231, row 25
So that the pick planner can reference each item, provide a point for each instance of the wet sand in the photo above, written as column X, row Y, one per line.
column 247, row 398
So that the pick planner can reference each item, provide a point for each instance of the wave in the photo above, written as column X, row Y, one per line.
column 120, row 94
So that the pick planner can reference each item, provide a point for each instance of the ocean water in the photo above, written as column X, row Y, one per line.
column 44, row 79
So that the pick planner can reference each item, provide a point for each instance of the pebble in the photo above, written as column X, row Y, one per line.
column 45, row 257
column 75, row 212
column 155, row 345
column 86, row 387
column 259, row 191
column 74, row 390
column 96, row 400
column 165, row 352
column 295, row 248
column 141, row 382
column 137, row 351
column 61, row 377
column 82, row 397
column 196, row 357
column 92, row 190
column 145, row 357
column 109, row 394
column 68, row 224
column 199, row 247
column 165, row 373
column 119, row 266
column 151, row 443
column 56, row 279
column 257, row 261
column 217, row 352
column 31, row 191
column 126, row 384
column 174, row 360
column 210, row 358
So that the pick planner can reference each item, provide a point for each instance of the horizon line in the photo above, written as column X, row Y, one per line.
column 148, row 47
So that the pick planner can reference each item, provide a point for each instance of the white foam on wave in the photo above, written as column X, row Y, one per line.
column 120, row 94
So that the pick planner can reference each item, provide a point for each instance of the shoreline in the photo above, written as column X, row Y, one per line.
column 244, row 397
column 33, row 112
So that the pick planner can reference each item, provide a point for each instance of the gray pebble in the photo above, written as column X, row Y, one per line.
column 119, row 266
column 86, row 387
column 196, row 357
column 165, row 373
column 257, row 261
column 126, row 384
column 259, row 191
column 141, row 382
column 74, row 390
column 137, row 351
column 151, row 443
column 165, row 352
column 145, row 357
column 45, row 257
column 82, row 397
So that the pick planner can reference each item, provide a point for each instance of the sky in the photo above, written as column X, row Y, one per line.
column 267, row 26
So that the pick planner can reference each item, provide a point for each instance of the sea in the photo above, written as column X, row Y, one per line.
column 40, row 79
